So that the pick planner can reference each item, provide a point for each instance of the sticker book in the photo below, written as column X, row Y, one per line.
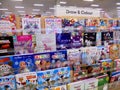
column 59, row 59
column 23, row 63
column 6, row 46
column 63, row 41
column 42, row 61
column 47, row 79
column 23, row 44
column 89, row 39
column 45, row 42
column 8, row 83
column 6, row 66
column 26, row 80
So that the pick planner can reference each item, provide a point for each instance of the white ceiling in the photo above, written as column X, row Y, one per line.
column 108, row 6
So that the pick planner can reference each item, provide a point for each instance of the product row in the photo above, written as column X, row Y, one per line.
column 39, row 43
column 57, row 79
column 95, row 58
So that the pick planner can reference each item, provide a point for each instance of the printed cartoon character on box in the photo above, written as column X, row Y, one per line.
column 23, row 67
column 106, row 65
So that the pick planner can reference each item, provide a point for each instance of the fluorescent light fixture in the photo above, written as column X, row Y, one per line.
column 99, row 8
column 37, row 10
column 48, row 12
column 8, row 12
column 118, row 7
column 102, row 11
column 58, row 5
column 52, row 8
column 19, row 7
column 62, row 2
column 118, row 10
column 16, row 0
column 38, row 4
column 94, row 5
column 35, row 13
column 88, row 0
column 118, row 3
column 21, row 11
column 3, row 9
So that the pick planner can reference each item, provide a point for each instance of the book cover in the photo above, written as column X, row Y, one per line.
column 6, row 66
column 45, row 42
column 42, row 61
column 89, row 39
column 91, row 84
column 76, row 39
column 76, row 86
column 106, row 64
column 114, row 51
column 23, row 44
column 117, row 64
column 6, row 46
column 103, row 82
column 23, row 63
column 107, row 38
column 89, row 55
column 62, row 87
column 63, row 75
column 26, row 80
column 102, row 52
column 8, row 83
column 31, row 26
column 47, row 79
column 53, row 25
column 58, row 59
column 63, row 41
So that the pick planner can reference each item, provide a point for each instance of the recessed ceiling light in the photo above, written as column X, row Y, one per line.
column 88, row 0
column 62, row 2
column 38, row 4
column 2, row 9
column 118, row 3
column 94, row 5
column 36, row 10
column 19, row 7
column 16, row 0
column 21, row 11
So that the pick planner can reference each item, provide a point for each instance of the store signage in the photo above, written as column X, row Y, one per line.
column 75, row 11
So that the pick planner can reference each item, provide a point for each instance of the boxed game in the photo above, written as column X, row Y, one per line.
column 8, row 83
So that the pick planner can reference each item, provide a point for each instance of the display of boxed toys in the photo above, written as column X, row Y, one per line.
column 117, row 64
column 63, row 87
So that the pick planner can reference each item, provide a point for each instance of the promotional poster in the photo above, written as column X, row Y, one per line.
column 42, row 61
column 6, row 46
column 45, row 42
column 25, row 80
column 6, row 66
column 59, row 59
column 31, row 26
column 107, row 38
column 23, row 63
column 89, row 39
column 7, row 83
column 23, row 44
column 53, row 25
column 63, row 41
